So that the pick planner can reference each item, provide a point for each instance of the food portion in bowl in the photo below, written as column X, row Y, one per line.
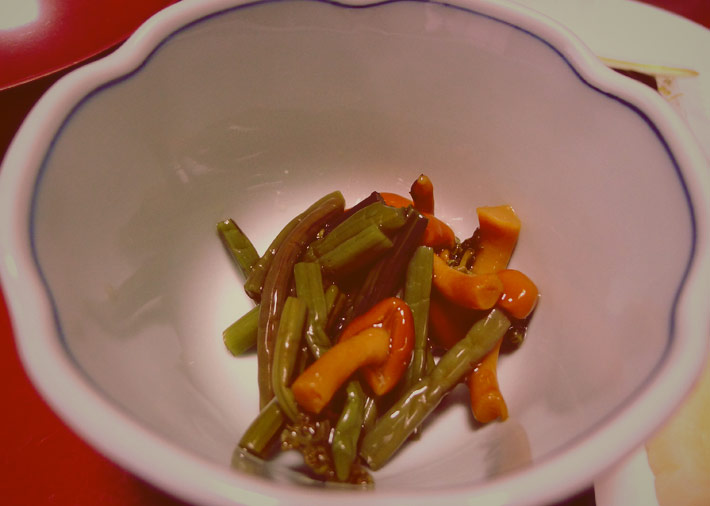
column 367, row 317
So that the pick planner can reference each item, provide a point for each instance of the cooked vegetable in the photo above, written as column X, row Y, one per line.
column 405, row 415
column 287, row 346
column 255, row 282
column 417, row 295
column 422, row 192
column 520, row 295
column 393, row 316
column 499, row 228
column 385, row 218
column 449, row 323
column 262, row 431
column 278, row 279
column 315, row 387
column 309, row 288
column 406, row 288
column 239, row 246
column 347, row 430
column 487, row 402
column 387, row 275
column 241, row 335
column 474, row 291
column 356, row 252
column 437, row 233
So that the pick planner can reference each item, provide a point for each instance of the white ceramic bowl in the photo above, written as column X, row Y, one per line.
column 119, row 288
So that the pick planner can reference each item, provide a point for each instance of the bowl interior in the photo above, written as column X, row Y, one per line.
column 255, row 112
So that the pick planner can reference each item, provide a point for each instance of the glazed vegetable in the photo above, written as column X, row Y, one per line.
column 499, row 228
column 393, row 316
column 241, row 335
column 262, row 431
column 239, row 246
column 417, row 295
column 385, row 281
column 315, row 387
column 520, row 295
column 449, row 323
column 356, row 252
column 437, row 233
column 255, row 282
column 422, row 192
column 287, row 346
column 309, row 288
column 487, row 402
column 347, row 430
column 474, row 291
column 387, row 275
column 385, row 218
column 278, row 279
column 405, row 415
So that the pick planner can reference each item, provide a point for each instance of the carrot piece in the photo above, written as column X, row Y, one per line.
column 395, row 316
column 422, row 192
column 474, row 291
column 499, row 228
column 437, row 235
column 315, row 386
column 520, row 295
column 487, row 401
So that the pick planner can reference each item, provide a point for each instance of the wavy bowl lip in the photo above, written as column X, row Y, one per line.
column 190, row 477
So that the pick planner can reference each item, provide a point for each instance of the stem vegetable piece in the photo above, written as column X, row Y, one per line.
column 263, row 429
column 474, row 291
column 315, row 387
column 347, row 430
column 417, row 295
column 487, row 402
column 286, row 349
column 499, row 228
column 356, row 252
column 422, row 192
column 385, row 218
column 309, row 288
column 241, row 335
column 520, row 295
column 370, row 199
column 394, row 317
column 406, row 414
column 238, row 244
column 255, row 282
column 386, row 276
column 278, row 279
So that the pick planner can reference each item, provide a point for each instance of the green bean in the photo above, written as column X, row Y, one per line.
column 356, row 252
column 238, row 244
column 417, row 292
column 407, row 413
column 347, row 430
column 263, row 429
column 241, row 335
column 278, row 280
column 309, row 288
column 385, row 218
column 369, row 418
column 287, row 346
column 254, row 284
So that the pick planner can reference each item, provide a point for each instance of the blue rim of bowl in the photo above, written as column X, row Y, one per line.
column 111, row 82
